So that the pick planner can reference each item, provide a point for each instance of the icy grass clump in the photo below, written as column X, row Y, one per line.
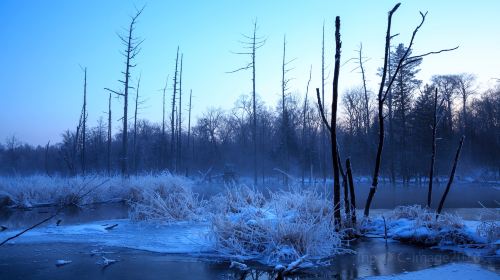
column 167, row 201
column 40, row 190
column 281, row 229
column 489, row 228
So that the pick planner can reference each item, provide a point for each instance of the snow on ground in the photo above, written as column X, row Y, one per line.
column 454, row 271
column 181, row 237
column 420, row 226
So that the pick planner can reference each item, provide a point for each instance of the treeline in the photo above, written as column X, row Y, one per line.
column 221, row 140
column 285, row 139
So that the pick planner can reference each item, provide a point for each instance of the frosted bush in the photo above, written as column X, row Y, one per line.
column 167, row 201
column 281, row 229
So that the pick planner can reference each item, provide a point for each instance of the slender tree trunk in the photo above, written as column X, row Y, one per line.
column 333, row 132
column 84, row 120
column 365, row 91
column 304, row 128
column 189, row 131
column 109, row 136
column 351, row 191
column 284, row 115
column 380, row 99
column 163, row 136
column 452, row 175
column 433, row 156
column 135, row 125
column 172, row 120
column 254, row 110
column 323, row 127
column 179, row 122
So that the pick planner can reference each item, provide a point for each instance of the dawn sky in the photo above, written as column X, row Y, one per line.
column 44, row 43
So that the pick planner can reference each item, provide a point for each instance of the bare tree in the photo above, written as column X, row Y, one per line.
column 172, row 118
column 189, row 126
column 109, row 136
column 333, row 126
column 304, row 127
column 452, row 175
column 465, row 82
column 323, row 127
column 252, row 44
column 163, row 136
column 84, row 120
column 433, row 155
column 179, row 121
column 365, row 91
column 284, row 113
column 137, row 103
column 384, row 90
column 132, row 49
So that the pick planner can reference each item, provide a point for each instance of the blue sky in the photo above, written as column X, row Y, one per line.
column 45, row 42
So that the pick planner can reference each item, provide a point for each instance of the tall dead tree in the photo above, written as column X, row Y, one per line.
column 284, row 112
column 132, row 49
column 365, row 90
column 305, row 145
column 163, row 136
column 84, row 121
column 172, row 119
column 135, row 124
column 433, row 155
column 251, row 45
column 323, row 127
column 385, row 89
column 109, row 136
column 452, row 175
column 179, row 121
column 189, row 127
column 333, row 126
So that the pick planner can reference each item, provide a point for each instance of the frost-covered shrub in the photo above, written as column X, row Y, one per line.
column 414, row 224
column 236, row 199
column 489, row 228
column 80, row 190
column 168, row 200
column 281, row 229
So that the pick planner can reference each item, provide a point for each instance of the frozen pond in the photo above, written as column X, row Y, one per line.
column 374, row 257
column 159, row 253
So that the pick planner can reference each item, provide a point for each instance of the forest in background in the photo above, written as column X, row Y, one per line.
column 266, row 140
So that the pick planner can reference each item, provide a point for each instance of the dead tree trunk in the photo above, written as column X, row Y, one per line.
column 351, row 191
column 333, row 132
column 433, row 156
column 380, row 99
column 452, row 175
column 252, row 43
column 179, row 121
column 172, row 119
column 163, row 139
column 323, row 127
column 84, row 120
column 109, row 136
column 132, row 49
column 135, row 125
column 304, row 128
column 365, row 91
column 189, row 130
column 332, row 127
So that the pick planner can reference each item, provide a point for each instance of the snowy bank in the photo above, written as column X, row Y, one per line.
column 453, row 271
column 420, row 226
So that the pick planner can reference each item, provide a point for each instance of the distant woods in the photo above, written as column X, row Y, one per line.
column 422, row 122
